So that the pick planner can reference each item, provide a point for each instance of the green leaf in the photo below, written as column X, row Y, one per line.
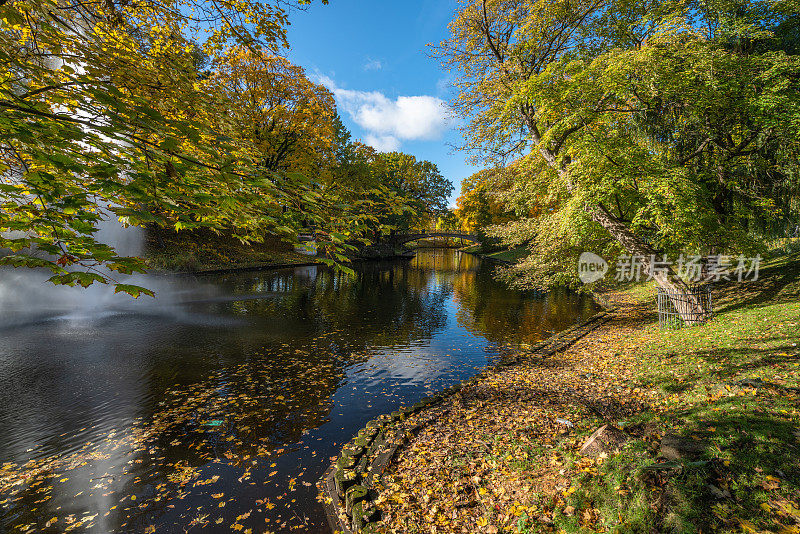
column 133, row 290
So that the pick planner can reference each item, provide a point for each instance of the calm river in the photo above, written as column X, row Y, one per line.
column 219, row 404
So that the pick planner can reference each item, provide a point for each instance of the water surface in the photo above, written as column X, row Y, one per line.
column 220, row 403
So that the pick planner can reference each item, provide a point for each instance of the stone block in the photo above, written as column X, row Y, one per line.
column 355, row 494
column 343, row 481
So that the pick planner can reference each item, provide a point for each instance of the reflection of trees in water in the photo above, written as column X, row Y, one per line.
column 384, row 304
column 216, row 394
column 443, row 260
column 502, row 315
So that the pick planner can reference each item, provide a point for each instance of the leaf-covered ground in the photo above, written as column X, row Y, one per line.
column 505, row 457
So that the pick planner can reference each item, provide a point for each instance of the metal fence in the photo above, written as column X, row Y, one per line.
column 669, row 304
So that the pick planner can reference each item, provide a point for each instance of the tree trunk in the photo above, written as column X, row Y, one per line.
column 688, row 306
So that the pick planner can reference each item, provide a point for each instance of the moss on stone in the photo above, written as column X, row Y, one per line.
column 355, row 494
column 344, row 480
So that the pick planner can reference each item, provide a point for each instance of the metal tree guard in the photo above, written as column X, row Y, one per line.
column 670, row 317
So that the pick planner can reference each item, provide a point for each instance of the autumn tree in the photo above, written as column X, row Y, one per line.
column 418, row 182
column 448, row 221
column 650, row 127
column 354, row 164
column 105, row 115
column 288, row 119
column 480, row 204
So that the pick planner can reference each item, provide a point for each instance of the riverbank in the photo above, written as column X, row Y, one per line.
column 205, row 252
column 505, row 256
column 710, row 429
column 350, row 486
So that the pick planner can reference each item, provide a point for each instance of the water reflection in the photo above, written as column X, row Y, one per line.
column 222, row 407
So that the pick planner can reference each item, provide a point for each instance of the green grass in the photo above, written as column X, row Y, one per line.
column 512, row 255
column 473, row 249
column 733, row 385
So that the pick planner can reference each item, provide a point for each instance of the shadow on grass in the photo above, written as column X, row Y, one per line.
column 747, row 475
column 734, row 361
column 759, row 464
column 772, row 281
column 730, row 363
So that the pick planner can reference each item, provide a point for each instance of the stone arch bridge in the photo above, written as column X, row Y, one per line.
column 399, row 239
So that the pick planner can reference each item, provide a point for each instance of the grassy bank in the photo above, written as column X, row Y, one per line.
column 505, row 457
column 501, row 256
column 200, row 250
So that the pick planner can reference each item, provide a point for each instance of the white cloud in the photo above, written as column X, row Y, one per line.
column 383, row 143
column 389, row 122
column 373, row 64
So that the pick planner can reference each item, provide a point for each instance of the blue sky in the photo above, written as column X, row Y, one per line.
column 388, row 90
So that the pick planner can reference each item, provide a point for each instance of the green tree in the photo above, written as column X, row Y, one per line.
column 104, row 114
column 418, row 182
column 651, row 127
column 481, row 201
column 448, row 222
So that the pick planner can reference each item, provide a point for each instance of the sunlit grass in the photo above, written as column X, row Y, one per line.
column 731, row 384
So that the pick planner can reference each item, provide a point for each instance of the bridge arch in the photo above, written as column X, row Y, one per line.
column 399, row 239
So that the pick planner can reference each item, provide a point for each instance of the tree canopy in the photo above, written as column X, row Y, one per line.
column 288, row 119
column 480, row 204
column 420, row 182
column 182, row 114
column 651, row 127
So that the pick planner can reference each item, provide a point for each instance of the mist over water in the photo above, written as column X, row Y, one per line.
column 26, row 295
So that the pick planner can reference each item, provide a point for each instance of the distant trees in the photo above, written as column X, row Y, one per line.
column 448, row 222
column 481, row 202
column 419, row 182
column 651, row 127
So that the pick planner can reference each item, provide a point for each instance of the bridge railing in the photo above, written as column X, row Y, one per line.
column 430, row 235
